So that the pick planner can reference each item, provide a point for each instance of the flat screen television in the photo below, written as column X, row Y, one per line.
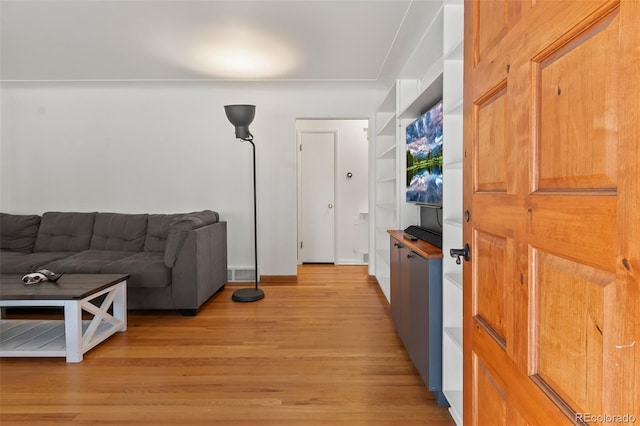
column 424, row 158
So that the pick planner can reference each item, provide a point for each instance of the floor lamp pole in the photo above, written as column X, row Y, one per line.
column 252, row 294
column 255, row 214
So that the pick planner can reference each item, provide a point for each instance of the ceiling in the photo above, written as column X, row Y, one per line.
column 146, row 40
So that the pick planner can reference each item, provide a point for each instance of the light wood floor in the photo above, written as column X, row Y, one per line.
column 319, row 352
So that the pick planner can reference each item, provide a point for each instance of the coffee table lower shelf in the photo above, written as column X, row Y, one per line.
column 45, row 338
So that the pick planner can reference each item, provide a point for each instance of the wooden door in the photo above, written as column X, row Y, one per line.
column 552, row 184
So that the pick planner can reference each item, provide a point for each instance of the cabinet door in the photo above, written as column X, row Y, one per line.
column 418, row 286
column 394, row 268
column 406, row 299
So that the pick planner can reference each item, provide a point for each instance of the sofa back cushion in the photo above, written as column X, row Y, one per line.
column 178, row 232
column 117, row 231
column 65, row 231
column 18, row 232
column 158, row 231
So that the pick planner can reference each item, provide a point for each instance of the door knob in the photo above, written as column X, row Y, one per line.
column 464, row 252
column 330, row 206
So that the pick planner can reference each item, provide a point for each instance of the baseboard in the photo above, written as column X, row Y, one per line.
column 268, row 280
column 279, row 279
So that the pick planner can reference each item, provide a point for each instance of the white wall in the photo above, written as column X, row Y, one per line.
column 166, row 147
column 352, row 197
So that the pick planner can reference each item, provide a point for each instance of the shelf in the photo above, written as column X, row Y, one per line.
column 383, row 279
column 384, row 256
column 456, row 53
column 454, row 166
column 453, row 29
column 385, row 285
column 454, row 397
column 386, row 206
column 425, row 99
column 389, row 127
column 455, row 279
column 388, row 153
column 386, row 179
column 455, row 334
column 432, row 73
column 389, row 102
column 44, row 338
column 384, row 253
column 455, row 109
column 457, row 223
column 429, row 47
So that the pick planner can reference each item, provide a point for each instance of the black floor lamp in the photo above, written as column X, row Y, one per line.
column 241, row 116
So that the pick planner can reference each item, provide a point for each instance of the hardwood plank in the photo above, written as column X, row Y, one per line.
column 322, row 351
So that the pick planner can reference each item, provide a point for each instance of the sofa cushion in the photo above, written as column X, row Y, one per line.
column 116, row 231
column 18, row 232
column 65, row 232
column 87, row 262
column 178, row 232
column 12, row 262
column 158, row 231
column 145, row 269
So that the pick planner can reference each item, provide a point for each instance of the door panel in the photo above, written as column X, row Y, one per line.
column 490, row 399
column 576, row 86
column 317, row 197
column 552, row 177
column 491, row 165
column 490, row 285
column 568, row 313
column 493, row 19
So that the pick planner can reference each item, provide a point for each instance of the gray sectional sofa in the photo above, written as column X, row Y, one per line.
column 175, row 261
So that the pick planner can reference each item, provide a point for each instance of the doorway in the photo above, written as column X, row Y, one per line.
column 332, row 191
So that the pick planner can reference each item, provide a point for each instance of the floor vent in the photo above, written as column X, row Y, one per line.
column 241, row 274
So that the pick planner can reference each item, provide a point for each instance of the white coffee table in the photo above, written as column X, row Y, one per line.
column 73, row 336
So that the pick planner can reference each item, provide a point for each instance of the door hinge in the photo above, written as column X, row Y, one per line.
column 300, row 147
column 300, row 244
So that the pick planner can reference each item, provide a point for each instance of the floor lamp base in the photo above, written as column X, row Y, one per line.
column 247, row 295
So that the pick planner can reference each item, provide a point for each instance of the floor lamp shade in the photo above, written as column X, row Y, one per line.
column 241, row 116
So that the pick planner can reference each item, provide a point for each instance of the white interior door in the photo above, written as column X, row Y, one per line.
column 317, row 170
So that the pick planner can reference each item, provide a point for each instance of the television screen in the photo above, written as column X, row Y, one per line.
column 424, row 158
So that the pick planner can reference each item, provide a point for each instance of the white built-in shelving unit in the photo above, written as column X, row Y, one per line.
column 434, row 72
column 386, row 185
column 453, row 47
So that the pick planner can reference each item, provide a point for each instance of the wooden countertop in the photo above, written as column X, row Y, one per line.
column 423, row 248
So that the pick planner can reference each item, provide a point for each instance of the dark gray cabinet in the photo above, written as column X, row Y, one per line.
column 416, row 306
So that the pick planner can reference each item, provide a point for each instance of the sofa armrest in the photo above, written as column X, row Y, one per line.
column 178, row 231
column 200, row 268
